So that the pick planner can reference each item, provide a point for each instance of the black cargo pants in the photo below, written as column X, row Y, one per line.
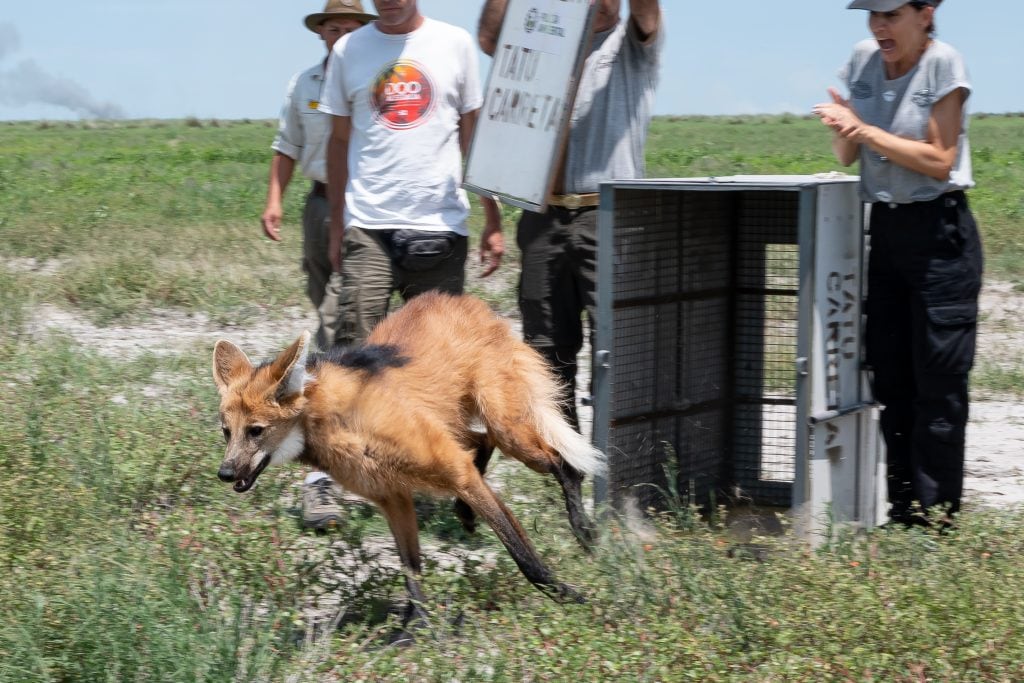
column 556, row 285
column 924, row 276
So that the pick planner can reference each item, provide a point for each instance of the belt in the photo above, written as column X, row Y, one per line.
column 950, row 198
column 319, row 189
column 574, row 201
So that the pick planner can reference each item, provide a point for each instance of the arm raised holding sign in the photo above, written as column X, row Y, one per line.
column 489, row 25
column 645, row 15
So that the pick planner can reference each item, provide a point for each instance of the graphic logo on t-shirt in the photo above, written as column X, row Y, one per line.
column 402, row 95
column 923, row 97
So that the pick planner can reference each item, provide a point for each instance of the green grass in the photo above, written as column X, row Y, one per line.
column 997, row 381
column 718, row 146
column 123, row 558
column 167, row 213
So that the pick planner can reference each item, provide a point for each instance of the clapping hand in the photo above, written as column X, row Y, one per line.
column 840, row 116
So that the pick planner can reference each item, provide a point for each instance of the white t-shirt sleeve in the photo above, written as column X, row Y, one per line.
column 951, row 75
column 472, row 94
column 335, row 99
column 862, row 52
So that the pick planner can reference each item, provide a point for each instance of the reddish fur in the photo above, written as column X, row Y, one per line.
column 384, row 434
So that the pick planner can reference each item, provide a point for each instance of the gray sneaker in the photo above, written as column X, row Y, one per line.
column 320, row 509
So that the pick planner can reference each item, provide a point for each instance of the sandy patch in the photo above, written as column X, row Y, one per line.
column 995, row 438
column 995, row 454
column 169, row 332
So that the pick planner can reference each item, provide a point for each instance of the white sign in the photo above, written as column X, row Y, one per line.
column 523, row 122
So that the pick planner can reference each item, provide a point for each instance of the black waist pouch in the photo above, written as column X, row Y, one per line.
column 416, row 250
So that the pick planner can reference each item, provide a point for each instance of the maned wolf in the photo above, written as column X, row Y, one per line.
column 394, row 416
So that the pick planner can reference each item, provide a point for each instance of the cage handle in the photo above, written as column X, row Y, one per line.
column 826, row 415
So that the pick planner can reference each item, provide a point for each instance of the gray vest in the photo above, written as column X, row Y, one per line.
column 903, row 107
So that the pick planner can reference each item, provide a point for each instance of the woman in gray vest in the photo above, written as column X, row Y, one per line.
column 906, row 122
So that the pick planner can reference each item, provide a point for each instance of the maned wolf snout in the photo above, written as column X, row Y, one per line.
column 226, row 473
column 394, row 416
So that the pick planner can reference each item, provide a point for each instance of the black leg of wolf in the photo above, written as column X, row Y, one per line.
column 572, row 486
column 414, row 618
column 400, row 512
column 512, row 536
column 484, row 451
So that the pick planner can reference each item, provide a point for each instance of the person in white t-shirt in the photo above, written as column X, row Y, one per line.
column 302, row 136
column 404, row 93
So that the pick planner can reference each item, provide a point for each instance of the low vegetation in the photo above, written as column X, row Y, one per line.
column 123, row 558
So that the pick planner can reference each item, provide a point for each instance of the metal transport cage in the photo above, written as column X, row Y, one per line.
column 727, row 350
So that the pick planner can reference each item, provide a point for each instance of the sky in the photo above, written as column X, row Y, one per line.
column 232, row 59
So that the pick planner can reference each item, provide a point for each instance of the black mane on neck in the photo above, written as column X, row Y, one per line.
column 373, row 358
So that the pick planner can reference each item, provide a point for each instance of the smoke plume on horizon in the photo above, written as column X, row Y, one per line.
column 27, row 83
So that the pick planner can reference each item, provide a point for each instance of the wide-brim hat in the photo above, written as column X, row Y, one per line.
column 886, row 5
column 339, row 9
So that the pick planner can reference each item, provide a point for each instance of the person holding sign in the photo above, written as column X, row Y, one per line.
column 608, row 130
column 906, row 122
column 404, row 94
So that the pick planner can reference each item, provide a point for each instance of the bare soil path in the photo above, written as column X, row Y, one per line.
column 995, row 439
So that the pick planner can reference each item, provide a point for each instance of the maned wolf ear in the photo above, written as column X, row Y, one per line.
column 289, row 369
column 228, row 363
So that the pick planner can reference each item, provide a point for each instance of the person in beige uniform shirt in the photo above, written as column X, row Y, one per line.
column 301, row 139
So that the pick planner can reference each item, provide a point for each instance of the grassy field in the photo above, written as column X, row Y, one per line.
column 122, row 558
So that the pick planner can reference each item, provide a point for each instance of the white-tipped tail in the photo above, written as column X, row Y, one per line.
column 569, row 443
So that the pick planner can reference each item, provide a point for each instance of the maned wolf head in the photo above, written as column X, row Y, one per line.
column 260, row 409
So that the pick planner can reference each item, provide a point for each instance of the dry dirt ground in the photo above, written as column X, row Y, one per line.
column 995, row 434
column 995, row 448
